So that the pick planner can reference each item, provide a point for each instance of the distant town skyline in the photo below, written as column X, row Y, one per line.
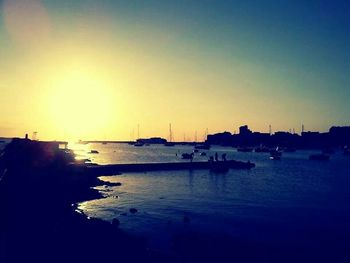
column 91, row 70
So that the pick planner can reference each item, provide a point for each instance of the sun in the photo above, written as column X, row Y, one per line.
column 81, row 105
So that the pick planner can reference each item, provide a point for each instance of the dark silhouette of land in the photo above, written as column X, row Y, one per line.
column 38, row 221
column 336, row 137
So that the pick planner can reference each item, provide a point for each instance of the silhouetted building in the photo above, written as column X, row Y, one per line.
column 244, row 130
column 337, row 136
column 285, row 139
column 224, row 138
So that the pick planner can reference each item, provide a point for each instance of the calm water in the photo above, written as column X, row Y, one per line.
column 291, row 200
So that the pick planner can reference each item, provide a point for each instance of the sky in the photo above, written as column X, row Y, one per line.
column 97, row 69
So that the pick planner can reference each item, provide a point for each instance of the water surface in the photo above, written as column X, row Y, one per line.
column 292, row 200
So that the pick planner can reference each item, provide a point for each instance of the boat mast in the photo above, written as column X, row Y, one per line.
column 138, row 131
column 170, row 133
column 205, row 135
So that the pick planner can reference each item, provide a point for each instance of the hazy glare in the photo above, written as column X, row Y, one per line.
column 96, row 69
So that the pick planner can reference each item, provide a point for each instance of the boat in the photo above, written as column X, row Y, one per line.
column 83, row 142
column 276, row 152
column 139, row 144
column 244, row 149
column 170, row 143
column 319, row 157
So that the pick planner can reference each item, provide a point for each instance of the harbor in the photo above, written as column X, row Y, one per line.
column 152, row 193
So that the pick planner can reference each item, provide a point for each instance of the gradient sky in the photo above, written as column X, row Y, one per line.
column 96, row 69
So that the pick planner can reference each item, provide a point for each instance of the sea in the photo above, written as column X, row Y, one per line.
column 292, row 200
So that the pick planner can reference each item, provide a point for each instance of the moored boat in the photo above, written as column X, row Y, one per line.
column 139, row 144
column 275, row 154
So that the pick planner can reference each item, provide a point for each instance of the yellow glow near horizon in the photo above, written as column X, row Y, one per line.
column 97, row 76
column 80, row 104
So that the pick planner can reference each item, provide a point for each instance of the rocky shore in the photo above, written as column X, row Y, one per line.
column 38, row 221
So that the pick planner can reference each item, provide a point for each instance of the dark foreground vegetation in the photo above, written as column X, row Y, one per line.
column 38, row 221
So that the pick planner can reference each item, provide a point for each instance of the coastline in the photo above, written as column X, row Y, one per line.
column 39, row 223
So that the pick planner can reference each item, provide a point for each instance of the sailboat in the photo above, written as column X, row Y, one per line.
column 139, row 142
column 170, row 143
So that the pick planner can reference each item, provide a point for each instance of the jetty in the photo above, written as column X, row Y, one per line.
column 111, row 169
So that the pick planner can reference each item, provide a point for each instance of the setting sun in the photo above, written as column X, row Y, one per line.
column 80, row 104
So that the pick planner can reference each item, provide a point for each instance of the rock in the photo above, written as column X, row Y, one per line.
column 133, row 210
